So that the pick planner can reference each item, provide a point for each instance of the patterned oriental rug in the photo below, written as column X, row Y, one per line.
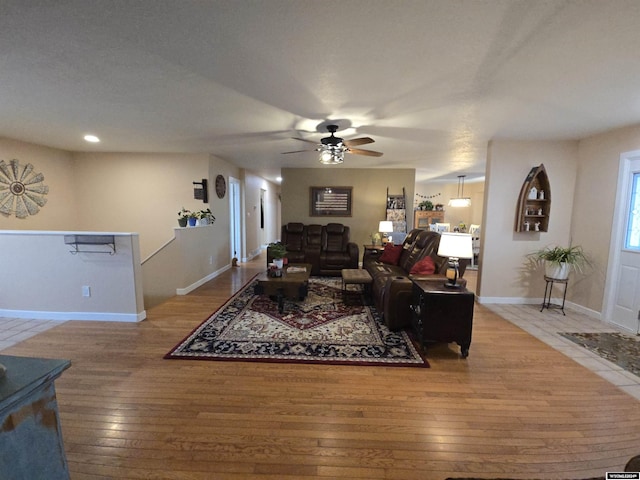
column 623, row 350
column 325, row 328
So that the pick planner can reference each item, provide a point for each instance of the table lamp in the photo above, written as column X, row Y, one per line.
column 385, row 228
column 455, row 246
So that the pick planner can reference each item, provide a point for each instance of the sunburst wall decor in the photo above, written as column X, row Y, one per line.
column 21, row 189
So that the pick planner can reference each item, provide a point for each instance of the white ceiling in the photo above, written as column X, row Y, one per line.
column 432, row 81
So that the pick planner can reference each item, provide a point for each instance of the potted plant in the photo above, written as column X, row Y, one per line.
column 559, row 261
column 206, row 217
column 426, row 205
column 193, row 218
column 183, row 217
column 277, row 251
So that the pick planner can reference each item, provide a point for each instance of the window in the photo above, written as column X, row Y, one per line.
column 632, row 239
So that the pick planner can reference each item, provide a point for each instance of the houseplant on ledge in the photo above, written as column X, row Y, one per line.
column 277, row 251
column 559, row 261
column 183, row 217
column 193, row 218
column 206, row 217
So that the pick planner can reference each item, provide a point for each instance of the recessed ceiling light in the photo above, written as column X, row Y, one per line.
column 91, row 138
column 278, row 179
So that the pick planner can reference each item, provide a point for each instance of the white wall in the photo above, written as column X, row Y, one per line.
column 591, row 224
column 137, row 192
column 61, row 210
column 504, row 276
column 40, row 278
column 182, row 265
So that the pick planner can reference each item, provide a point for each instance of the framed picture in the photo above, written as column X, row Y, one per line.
column 331, row 201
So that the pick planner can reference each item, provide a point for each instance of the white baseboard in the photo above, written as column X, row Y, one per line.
column 509, row 300
column 202, row 281
column 538, row 301
column 64, row 316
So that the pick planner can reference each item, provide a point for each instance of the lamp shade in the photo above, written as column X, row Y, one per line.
column 385, row 226
column 457, row 245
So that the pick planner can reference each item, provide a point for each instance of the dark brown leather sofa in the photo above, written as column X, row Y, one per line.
column 326, row 247
column 392, row 286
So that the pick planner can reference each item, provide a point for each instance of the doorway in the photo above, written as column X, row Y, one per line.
column 622, row 292
column 235, row 219
column 263, row 231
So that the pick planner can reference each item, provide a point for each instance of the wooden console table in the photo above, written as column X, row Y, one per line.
column 30, row 437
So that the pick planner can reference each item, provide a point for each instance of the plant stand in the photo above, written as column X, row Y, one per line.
column 548, row 289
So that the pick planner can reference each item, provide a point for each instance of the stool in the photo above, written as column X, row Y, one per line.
column 356, row 276
column 546, row 301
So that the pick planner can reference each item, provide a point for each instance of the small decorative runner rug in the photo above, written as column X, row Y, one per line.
column 324, row 328
column 623, row 350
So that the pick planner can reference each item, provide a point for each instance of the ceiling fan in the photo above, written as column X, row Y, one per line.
column 332, row 148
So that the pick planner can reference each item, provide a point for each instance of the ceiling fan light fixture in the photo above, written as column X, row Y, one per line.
column 331, row 155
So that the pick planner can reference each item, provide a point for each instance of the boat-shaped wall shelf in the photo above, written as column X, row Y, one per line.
column 91, row 244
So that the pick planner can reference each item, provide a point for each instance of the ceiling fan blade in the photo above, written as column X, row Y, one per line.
column 368, row 153
column 305, row 140
column 358, row 141
column 297, row 151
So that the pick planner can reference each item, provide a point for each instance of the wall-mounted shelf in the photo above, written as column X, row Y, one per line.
column 90, row 243
column 534, row 202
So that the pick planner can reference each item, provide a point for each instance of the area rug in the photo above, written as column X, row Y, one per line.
column 623, row 350
column 325, row 328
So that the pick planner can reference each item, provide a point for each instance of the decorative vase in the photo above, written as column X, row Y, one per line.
column 183, row 221
column 192, row 222
column 204, row 221
column 558, row 271
column 279, row 262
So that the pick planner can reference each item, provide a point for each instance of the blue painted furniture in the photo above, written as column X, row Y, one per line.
column 30, row 435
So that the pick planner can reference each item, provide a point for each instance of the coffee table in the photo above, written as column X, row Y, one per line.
column 289, row 285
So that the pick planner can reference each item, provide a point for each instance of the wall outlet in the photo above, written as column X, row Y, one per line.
column 211, row 260
column 86, row 291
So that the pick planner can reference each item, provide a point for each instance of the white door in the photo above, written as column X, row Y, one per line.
column 624, row 271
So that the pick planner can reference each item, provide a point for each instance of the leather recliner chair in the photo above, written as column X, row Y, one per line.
column 337, row 251
column 293, row 235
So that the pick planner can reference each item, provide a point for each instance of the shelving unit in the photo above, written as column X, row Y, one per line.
column 534, row 202
column 397, row 211
column 424, row 218
column 93, row 241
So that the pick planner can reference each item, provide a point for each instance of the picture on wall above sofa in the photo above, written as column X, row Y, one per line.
column 330, row 201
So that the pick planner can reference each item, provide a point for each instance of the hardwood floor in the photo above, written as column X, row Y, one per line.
column 515, row 408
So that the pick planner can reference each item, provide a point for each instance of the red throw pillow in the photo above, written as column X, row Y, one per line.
column 391, row 254
column 426, row 266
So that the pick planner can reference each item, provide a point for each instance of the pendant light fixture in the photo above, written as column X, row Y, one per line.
column 460, row 200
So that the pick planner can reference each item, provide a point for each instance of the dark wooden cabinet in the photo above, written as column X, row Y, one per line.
column 534, row 202
column 441, row 314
